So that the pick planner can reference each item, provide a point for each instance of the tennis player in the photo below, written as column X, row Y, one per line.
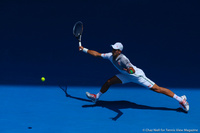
column 128, row 73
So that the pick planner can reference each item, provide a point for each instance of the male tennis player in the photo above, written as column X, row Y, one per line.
column 128, row 73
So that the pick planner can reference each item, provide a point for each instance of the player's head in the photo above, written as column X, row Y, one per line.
column 117, row 46
column 117, row 49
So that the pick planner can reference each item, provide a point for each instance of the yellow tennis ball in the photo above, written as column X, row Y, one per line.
column 43, row 79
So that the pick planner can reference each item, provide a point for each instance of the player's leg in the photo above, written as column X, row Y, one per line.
column 146, row 82
column 105, row 87
column 162, row 90
column 109, row 82
column 181, row 100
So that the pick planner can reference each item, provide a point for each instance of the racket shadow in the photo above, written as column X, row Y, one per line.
column 64, row 88
column 116, row 106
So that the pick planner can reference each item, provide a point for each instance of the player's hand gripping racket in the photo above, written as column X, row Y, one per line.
column 78, row 30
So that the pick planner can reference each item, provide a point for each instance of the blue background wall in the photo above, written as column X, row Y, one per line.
column 159, row 36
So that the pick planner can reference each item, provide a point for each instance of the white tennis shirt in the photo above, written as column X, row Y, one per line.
column 120, row 62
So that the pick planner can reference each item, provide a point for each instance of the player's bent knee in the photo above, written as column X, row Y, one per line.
column 113, row 80
column 108, row 82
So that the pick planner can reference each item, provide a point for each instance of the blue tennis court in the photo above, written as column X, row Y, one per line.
column 160, row 37
column 66, row 109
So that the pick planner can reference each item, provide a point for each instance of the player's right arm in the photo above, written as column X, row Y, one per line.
column 91, row 52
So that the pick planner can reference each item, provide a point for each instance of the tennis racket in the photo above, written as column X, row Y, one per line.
column 78, row 30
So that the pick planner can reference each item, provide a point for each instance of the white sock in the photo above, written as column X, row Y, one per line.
column 177, row 98
column 98, row 95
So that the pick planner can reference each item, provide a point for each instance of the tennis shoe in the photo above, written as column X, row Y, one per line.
column 92, row 97
column 184, row 103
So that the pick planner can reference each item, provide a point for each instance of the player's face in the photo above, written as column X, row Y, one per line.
column 116, row 52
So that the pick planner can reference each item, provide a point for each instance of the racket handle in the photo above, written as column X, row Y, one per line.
column 80, row 43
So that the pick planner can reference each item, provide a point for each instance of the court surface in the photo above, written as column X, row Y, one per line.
column 54, row 109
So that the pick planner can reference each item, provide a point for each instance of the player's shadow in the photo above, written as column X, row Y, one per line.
column 116, row 106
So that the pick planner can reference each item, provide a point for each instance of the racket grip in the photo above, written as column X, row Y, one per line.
column 80, row 43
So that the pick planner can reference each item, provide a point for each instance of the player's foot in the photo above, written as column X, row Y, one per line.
column 184, row 103
column 92, row 97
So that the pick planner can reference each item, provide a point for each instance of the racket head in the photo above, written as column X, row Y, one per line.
column 78, row 30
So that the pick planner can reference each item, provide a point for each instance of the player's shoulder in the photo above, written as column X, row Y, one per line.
column 123, row 56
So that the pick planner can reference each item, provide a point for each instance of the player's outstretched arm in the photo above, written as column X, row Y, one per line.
column 91, row 52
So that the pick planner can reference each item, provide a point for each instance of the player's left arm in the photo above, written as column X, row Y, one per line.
column 91, row 52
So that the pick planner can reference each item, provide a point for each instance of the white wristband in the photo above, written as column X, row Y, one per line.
column 85, row 50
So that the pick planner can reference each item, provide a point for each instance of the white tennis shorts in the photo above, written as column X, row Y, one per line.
column 139, row 77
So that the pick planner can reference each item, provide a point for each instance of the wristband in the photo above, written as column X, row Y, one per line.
column 85, row 50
